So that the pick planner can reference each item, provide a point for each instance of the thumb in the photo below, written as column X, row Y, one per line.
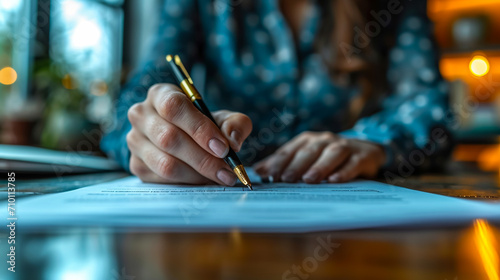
column 236, row 127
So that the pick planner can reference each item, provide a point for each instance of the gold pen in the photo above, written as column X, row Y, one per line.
column 186, row 84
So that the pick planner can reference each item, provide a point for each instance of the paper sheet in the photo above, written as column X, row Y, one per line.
column 269, row 208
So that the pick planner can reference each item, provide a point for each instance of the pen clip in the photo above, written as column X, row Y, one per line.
column 179, row 63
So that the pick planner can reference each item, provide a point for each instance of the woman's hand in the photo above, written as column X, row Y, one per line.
column 172, row 142
column 314, row 157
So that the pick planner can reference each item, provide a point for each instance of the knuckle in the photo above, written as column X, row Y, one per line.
column 130, row 138
column 173, row 105
column 307, row 134
column 167, row 167
column 281, row 154
column 205, row 164
column 168, row 138
column 134, row 112
column 137, row 169
column 244, row 118
column 155, row 89
column 239, row 120
column 202, row 129
column 334, row 147
column 356, row 160
column 309, row 150
column 343, row 142
column 327, row 135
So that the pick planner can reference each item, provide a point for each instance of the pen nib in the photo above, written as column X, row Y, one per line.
column 242, row 175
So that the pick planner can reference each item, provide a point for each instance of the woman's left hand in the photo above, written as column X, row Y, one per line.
column 317, row 156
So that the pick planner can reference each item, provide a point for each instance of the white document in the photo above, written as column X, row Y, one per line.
column 129, row 203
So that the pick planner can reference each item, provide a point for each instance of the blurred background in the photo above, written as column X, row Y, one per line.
column 62, row 63
column 61, row 66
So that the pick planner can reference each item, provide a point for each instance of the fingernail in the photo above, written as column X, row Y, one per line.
column 236, row 137
column 288, row 177
column 311, row 176
column 227, row 177
column 218, row 147
column 334, row 178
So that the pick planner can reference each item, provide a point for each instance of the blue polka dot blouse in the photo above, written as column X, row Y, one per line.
column 254, row 65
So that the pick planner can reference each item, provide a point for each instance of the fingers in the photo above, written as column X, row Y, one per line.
column 350, row 170
column 141, row 170
column 366, row 162
column 167, row 167
column 236, row 127
column 333, row 156
column 186, row 163
column 173, row 106
column 275, row 164
column 302, row 160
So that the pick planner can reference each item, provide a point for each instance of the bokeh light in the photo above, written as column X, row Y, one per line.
column 71, row 9
column 486, row 244
column 68, row 82
column 99, row 88
column 9, row 5
column 86, row 34
column 479, row 66
column 8, row 76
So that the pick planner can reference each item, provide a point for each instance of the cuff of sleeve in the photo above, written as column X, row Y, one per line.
column 115, row 146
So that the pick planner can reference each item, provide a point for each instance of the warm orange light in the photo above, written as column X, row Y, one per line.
column 459, row 67
column 68, row 82
column 479, row 65
column 489, row 159
column 8, row 76
column 99, row 88
column 486, row 245
column 438, row 6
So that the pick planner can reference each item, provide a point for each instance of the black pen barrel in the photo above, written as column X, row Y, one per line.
column 176, row 71
column 231, row 158
column 186, row 84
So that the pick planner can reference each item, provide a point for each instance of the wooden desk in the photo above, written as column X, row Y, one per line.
column 469, row 252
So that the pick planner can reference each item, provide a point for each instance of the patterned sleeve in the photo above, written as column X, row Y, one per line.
column 175, row 35
column 412, row 124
